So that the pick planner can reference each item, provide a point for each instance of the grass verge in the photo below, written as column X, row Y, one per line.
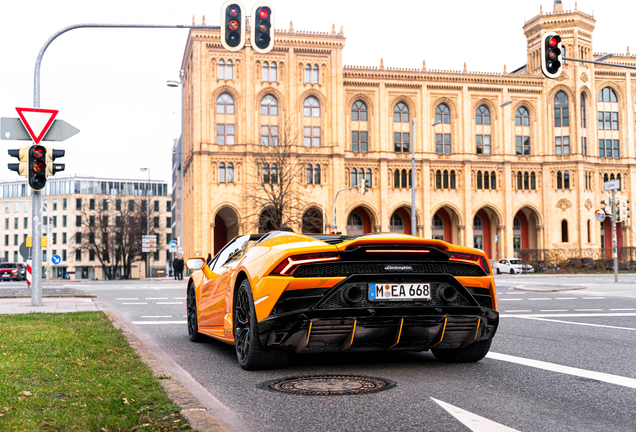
column 75, row 371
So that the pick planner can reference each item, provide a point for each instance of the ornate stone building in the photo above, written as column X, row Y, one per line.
column 504, row 161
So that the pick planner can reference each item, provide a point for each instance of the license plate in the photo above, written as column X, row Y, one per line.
column 409, row 291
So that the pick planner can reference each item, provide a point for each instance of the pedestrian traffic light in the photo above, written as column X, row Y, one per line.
column 37, row 167
column 233, row 25
column 22, row 154
column 263, row 28
column 551, row 55
column 51, row 155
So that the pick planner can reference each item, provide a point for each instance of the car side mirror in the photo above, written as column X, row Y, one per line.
column 197, row 263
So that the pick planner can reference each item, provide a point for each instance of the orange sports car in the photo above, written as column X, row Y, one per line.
column 280, row 293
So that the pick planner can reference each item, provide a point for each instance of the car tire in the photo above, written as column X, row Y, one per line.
column 191, row 311
column 250, row 354
column 512, row 271
column 468, row 354
column 498, row 270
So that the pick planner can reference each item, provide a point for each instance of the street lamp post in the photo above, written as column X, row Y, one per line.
column 147, row 219
column 174, row 83
column 363, row 190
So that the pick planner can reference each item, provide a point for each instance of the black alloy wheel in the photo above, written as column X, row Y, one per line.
column 193, row 324
column 498, row 270
column 250, row 354
column 512, row 271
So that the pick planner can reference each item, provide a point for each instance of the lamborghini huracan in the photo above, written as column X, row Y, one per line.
column 275, row 294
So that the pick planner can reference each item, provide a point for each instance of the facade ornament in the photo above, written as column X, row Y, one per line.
column 382, row 63
column 465, row 70
column 291, row 26
column 576, row 6
column 627, row 50
column 505, row 71
column 333, row 29
column 564, row 204
column 423, row 65
column 341, row 32
column 588, row 204
column 247, row 24
column 584, row 77
column 193, row 23
column 540, row 9
column 203, row 21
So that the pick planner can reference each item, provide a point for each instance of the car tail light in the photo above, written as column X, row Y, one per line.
column 471, row 258
column 288, row 265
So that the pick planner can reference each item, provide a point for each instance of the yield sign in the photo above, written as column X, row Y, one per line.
column 37, row 121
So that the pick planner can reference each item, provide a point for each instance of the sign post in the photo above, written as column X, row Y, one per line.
column 612, row 185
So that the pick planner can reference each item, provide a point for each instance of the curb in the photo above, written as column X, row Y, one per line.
column 191, row 408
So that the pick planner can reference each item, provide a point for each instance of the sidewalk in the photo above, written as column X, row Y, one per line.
column 18, row 305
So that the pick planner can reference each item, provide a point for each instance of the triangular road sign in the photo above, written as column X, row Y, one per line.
column 37, row 121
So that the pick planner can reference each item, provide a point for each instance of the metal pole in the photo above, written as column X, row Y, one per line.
column 148, row 223
column 333, row 221
column 600, row 63
column 413, row 214
column 36, row 243
column 614, row 240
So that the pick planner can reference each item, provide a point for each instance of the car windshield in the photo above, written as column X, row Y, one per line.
column 515, row 261
column 7, row 266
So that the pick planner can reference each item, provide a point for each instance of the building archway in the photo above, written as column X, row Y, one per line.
column 524, row 231
column 225, row 227
column 359, row 221
column 445, row 225
column 485, row 224
column 312, row 221
column 400, row 220
column 266, row 220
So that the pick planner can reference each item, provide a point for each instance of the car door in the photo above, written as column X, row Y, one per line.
column 504, row 267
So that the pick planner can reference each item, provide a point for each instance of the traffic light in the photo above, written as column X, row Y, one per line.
column 262, row 28
column 37, row 167
column 23, row 155
column 608, row 206
column 233, row 25
column 51, row 155
column 622, row 209
column 551, row 55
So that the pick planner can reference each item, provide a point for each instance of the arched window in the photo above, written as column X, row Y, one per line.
column 317, row 178
column 516, row 224
column 359, row 111
column 266, row 173
column 269, row 106
column 483, row 115
column 559, row 180
column 222, row 172
column 564, row 231
column 566, row 180
column 354, row 177
column 404, row 179
column 522, row 132
column 316, row 74
column 368, row 178
column 230, row 172
column 438, row 222
column 308, row 74
column 479, row 180
column 438, row 179
column 269, row 132
column 410, row 178
column 221, row 69
column 225, row 104
column 354, row 222
column 229, row 70
column 612, row 176
column 273, row 72
column 607, row 95
column 274, row 174
column 533, row 181
column 561, row 115
column 310, row 174
column 265, row 71
column 442, row 114
column 589, row 232
column 453, row 179
column 526, row 181
column 486, row 180
column 519, row 181
column 478, row 224
column 396, row 178
column 361, row 180
column 583, row 110
column 445, row 179
column 620, row 185
column 311, row 108
column 605, row 178
column 401, row 112
column 493, row 181
column 608, row 121
column 397, row 223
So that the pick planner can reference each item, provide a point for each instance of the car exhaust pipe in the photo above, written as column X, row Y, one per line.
column 447, row 293
column 352, row 294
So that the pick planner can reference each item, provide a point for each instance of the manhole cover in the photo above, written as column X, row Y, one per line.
column 330, row 385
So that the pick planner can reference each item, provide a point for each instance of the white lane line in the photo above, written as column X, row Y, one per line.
column 525, row 310
column 574, row 315
column 140, row 303
column 156, row 316
column 553, row 310
column 158, row 322
column 583, row 324
column 540, row 298
column 156, row 298
column 588, row 310
column 624, row 309
column 169, row 302
column 472, row 421
column 566, row 298
column 593, row 298
column 516, row 293
column 553, row 367
column 509, row 299
column 179, row 298
column 126, row 298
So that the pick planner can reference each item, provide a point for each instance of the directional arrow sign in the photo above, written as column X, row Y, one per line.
column 13, row 129
column 37, row 121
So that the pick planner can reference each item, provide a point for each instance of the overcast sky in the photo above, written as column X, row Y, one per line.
column 111, row 83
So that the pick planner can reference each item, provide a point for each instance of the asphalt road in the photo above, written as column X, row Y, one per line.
column 561, row 361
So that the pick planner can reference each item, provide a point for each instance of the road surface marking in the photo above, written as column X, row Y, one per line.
column 553, row 367
column 156, row 316
column 540, row 298
column 553, row 310
column 169, row 302
column 578, row 323
column 125, row 298
column 566, row 298
column 573, row 315
column 156, row 298
column 587, row 310
column 179, row 298
column 134, row 303
column 516, row 293
column 472, row 421
column 509, row 299
column 593, row 298
column 625, row 309
column 158, row 322
column 525, row 310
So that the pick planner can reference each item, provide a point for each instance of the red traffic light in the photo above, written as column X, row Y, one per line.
column 233, row 11
column 38, row 152
column 554, row 41
column 263, row 13
column 38, row 167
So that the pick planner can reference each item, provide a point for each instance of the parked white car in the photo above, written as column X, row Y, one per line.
column 512, row 266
